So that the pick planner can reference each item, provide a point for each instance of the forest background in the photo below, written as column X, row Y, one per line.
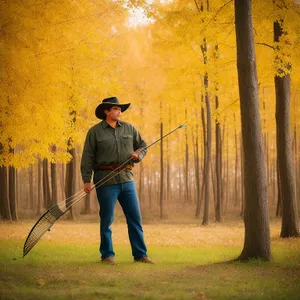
column 175, row 62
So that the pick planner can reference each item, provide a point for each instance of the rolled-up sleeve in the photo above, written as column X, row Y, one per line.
column 88, row 157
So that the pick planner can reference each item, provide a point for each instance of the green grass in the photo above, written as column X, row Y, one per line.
column 191, row 262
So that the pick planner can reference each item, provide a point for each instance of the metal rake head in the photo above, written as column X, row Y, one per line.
column 41, row 227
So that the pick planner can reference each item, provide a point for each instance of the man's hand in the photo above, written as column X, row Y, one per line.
column 135, row 154
column 87, row 187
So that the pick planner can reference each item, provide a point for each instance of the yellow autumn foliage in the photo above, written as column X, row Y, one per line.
column 62, row 57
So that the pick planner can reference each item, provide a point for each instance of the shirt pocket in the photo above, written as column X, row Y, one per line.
column 105, row 146
column 127, row 143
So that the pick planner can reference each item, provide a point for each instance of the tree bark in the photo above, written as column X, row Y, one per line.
column 141, row 185
column 236, row 193
column 202, row 189
column 168, row 177
column 274, row 172
column 208, row 158
column 289, row 226
column 40, row 194
column 87, row 204
column 218, row 167
column 256, row 217
column 208, row 140
column 5, row 213
column 62, row 181
column 31, row 193
column 242, row 180
column 53, row 168
column 12, row 193
column 197, row 176
column 54, row 183
column 46, row 184
column 298, row 173
column 161, row 198
column 70, row 185
column 227, row 173
column 279, row 192
column 151, row 187
column 188, row 197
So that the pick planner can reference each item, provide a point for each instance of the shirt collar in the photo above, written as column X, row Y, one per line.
column 105, row 124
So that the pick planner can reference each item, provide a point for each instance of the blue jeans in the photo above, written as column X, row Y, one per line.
column 127, row 196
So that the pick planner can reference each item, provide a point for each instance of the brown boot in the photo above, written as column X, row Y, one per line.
column 108, row 260
column 145, row 260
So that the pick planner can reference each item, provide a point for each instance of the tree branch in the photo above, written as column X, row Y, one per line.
column 198, row 8
column 265, row 44
column 83, row 17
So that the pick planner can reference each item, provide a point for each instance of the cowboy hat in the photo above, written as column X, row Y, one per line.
column 108, row 103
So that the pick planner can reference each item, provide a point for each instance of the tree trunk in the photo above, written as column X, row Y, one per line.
column 213, row 183
column 208, row 153
column 40, row 194
column 46, row 184
column 256, row 217
column 87, row 204
column 62, row 181
column 202, row 190
column 296, row 164
column 242, row 180
column 31, row 193
column 141, row 185
column 274, row 172
column 53, row 168
column 168, row 179
column 197, row 177
column 161, row 198
column 17, row 188
column 70, row 185
column 298, row 174
column 188, row 197
column 5, row 213
column 289, row 226
column 279, row 193
column 227, row 173
column 54, row 183
column 218, row 167
column 12, row 193
column 151, row 187
column 236, row 194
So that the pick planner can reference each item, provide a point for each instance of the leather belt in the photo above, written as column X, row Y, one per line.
column 112, row 168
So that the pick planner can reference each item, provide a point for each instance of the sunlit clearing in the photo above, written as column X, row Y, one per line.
column 138, row 18
column 166, row 1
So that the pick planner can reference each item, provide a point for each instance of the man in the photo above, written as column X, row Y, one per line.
column 108, row 145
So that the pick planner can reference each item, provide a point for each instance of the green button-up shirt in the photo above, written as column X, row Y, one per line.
column 105, row 146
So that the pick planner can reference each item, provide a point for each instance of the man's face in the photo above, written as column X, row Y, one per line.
column 113, row 114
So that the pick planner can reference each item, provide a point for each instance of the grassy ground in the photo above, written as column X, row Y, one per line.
column 190, row 263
